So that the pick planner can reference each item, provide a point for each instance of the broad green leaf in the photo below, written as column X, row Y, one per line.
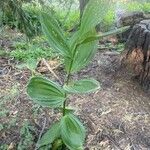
column 77, row 38
column 94, row 13
column 54, row 34
column 45, row 92
column 72, row 132
column 82, row 86
column 50, row 136
column 82, row 53
column 113, row 32
column 84, row 48
column 84, row 42
column 91, row 37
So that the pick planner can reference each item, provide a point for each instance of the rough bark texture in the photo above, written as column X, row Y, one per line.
column 131, row 18
column 138, row 52
column 82, row 6
column 128, row 19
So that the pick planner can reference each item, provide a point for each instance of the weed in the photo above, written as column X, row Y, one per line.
column 146, row 7
column 27, row 51
column 4, row 147
column 3, row 112
column 137, row 6
column 8, row 95
column 3, row 53
column 27, row 139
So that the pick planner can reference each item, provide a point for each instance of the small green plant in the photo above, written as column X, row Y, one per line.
column 146, row 7
column 31, row 51
column 27, row 139
column 138, row 6
column 30, row 64
column 77, row 53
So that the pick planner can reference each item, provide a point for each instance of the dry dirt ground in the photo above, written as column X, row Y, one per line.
column 117, row 117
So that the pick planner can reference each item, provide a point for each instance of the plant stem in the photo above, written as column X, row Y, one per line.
column 64, row 104
column 68, row 78
column 67, row 81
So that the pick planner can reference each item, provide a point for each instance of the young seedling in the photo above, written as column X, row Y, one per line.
column 77, row 53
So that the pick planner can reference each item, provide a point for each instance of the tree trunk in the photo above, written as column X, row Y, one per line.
column 82, row 6
column 138, row 52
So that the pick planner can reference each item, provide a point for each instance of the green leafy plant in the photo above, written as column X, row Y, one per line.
column 27, row 139
column 77, row 53
column 138, row 6
column 146, row 7
column 31, row 51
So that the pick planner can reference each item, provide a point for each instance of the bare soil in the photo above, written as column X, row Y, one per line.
column 117, row 117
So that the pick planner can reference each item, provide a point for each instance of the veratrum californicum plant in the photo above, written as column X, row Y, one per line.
column 77, row 53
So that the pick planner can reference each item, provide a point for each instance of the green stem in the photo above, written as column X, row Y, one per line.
column 67, row 81
column 64, row 104
column 68, row 78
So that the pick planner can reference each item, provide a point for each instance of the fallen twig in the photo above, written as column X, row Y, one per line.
column 40, row 135
column 51, row 70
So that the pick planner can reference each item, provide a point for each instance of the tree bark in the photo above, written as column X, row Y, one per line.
column 82, row 6
column 138, row 52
